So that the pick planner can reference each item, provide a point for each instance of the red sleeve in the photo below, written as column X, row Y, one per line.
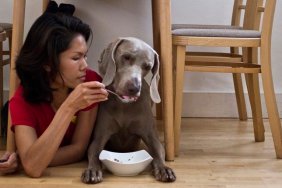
column 91, row 75
column 20, row 111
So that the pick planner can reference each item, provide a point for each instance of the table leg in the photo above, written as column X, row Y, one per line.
column 17, row 36
column 156, row 41
column 45, row 4
column 163, row 43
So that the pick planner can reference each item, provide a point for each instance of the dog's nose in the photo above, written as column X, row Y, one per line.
column 133, row 87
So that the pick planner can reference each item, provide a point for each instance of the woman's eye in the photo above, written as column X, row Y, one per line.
column 75, row 58
column 80, row 58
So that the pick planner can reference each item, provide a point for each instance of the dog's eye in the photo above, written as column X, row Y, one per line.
column 126, row 57
column 146, row 66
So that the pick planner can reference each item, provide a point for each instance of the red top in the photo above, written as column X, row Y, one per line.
column 39, row 116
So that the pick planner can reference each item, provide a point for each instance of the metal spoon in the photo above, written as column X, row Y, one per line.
column 3, row 160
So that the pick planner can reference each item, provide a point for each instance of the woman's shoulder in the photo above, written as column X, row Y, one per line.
column 18, row 95
column 21, row 111
column 92, row 75
column 18, row 100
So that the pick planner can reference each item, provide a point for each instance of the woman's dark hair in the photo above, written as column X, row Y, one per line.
column 50, row 35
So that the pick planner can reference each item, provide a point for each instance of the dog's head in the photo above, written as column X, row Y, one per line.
column 124, row 64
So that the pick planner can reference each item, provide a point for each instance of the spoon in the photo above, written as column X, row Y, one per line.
column 119, row 97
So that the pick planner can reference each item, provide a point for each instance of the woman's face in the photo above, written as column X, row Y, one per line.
column 72, row 64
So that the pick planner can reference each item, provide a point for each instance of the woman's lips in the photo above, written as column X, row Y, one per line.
column 82, row 78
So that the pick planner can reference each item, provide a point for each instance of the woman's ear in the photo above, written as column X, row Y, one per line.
column 47, row 68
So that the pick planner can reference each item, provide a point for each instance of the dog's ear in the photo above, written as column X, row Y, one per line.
column 154, row 92
column 107, row 64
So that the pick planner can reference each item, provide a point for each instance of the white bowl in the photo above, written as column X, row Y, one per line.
column 125, row 164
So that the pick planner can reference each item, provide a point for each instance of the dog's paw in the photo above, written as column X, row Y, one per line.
column 164, row 174
column 91, row 176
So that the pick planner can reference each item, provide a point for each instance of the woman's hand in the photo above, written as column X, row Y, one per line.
column 86, row 94
column 8, row 163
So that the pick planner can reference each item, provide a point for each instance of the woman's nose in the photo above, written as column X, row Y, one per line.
column 84, row 64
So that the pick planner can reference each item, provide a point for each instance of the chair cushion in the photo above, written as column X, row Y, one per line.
column 200, row 26
column 237, row 33
column 6, row 26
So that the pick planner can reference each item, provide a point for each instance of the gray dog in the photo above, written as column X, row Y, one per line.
column 122, row 123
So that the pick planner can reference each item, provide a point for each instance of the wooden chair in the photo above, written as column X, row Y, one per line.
column 6, row 32
column 2, row 39
column 237, row 13
column 250, row 39
column 8, row 28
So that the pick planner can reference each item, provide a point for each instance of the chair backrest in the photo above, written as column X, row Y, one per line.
column 251, row 17
column 267, row 22
column 259, row 14
column 2, row 35
column 2, row 39
column 238, row 7
column 8, row 29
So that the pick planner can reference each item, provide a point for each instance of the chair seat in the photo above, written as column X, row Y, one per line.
column 200, row 26
column 237, row 33
column 6, row 26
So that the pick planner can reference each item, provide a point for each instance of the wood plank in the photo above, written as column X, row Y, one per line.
column 216, row 41
column 214, row 153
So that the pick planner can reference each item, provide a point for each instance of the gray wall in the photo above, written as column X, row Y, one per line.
column 205, row 94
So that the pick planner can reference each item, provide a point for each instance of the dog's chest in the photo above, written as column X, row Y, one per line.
column 126, row 115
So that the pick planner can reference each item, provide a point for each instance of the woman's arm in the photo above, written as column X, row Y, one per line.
column 80, row 140
column 8, row 163
column 37, row 153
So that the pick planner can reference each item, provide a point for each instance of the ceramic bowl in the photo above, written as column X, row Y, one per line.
column 125, row 164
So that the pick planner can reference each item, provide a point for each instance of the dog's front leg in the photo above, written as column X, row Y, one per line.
column 93, row 174
column 160, row 170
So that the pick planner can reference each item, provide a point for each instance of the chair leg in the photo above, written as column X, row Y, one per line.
column 239, row 92
column 255, row 101
column 270, row 100
column 252, row 81
column 1, row 98
column 179, row 80
column 240, row 99
column 156, row 41
column 1, row 83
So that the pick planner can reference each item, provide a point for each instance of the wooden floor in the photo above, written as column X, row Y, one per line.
column 215, row 153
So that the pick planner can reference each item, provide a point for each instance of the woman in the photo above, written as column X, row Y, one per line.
column 54, row 109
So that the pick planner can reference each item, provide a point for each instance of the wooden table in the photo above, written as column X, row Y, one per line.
column 162, row 43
